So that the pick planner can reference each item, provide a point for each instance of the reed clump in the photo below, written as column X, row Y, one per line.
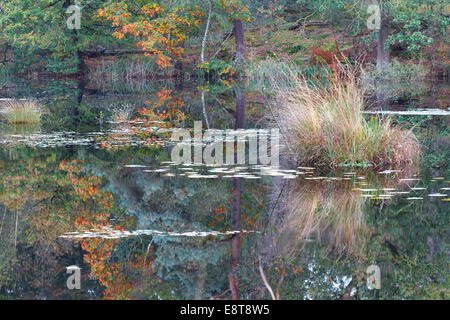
column 325, row 125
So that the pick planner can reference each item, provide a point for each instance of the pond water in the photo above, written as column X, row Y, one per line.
column 82, row 190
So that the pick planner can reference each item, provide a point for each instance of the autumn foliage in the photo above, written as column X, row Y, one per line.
column 235, row 10
column 332, row 57
column 160, row 32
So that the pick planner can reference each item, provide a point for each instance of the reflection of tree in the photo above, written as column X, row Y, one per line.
column 181, row 267
column 236, row 219
column 35, row 211
column 95, row 214
column 152, row 123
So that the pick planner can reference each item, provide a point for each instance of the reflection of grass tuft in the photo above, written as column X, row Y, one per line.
column 329, row 213
column 122, row 113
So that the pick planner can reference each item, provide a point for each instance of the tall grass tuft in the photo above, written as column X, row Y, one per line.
column 324, row 124
column 22, row 112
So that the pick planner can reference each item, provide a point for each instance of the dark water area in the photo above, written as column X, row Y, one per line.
column 82, row 189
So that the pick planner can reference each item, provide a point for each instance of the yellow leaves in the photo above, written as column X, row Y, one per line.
column 152, row 9
column 118, row 35
column 235, row 10
column 163, row 61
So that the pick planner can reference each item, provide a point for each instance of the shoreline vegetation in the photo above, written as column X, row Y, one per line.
column 324, row 124
column 289, row 49
column 20, row 112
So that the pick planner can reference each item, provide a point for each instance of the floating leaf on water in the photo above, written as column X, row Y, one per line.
column 168, row 175
column 200, row 176
column 388, row 171
column 134, row 166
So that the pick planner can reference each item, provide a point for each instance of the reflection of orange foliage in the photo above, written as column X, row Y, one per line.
column 165, row 113
column 95, row 214
column 170, row 109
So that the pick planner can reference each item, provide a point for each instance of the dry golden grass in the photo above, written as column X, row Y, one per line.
column 325, row 125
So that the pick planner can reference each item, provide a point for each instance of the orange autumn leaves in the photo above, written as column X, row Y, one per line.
column 170, row 112
column 235, row 10
column 161, row 33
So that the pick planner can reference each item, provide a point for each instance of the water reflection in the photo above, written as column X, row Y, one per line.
column 329, row 211
column 236, row 219
column 142, row 228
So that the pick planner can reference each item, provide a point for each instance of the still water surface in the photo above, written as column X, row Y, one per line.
column 82, row 190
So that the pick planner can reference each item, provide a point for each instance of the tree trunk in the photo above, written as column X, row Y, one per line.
column 179, row 72
column 200, row 290
column 240, row 40
column 205, row 36
column 240, row 108
column 102, row 52
column 382, row 54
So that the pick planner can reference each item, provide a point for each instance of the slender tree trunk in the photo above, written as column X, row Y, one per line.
column 199, row 292
column 383, row 33
column 179, row 73
column 15, row 230
column 205, row 115
column 267, row 245
column 240, row 108
column 205, row 36
column 383, row 57
column 240, row 40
